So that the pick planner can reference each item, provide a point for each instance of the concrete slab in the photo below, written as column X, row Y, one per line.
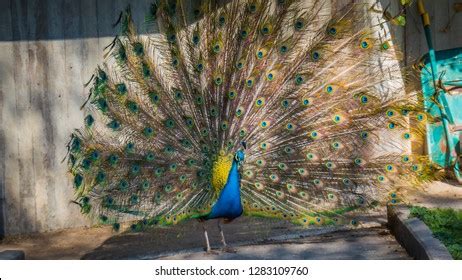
column 361, row 244
column 415, row 236
column 12, row 255
column 277, row 238
column 438, row 194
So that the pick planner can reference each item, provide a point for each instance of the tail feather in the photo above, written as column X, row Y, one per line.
column 318, row 96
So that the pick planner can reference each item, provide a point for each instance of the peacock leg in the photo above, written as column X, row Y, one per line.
column 225, row 248
column 207, row 243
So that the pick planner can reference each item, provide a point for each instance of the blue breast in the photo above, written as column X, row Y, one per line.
column 229, row 204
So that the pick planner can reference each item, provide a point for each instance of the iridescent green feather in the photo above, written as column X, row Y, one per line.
column 319, row 100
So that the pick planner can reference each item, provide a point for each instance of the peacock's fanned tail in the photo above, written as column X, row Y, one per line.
column 318, row 96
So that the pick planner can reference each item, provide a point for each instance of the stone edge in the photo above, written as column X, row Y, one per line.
column 414, row 235
column 12, row 255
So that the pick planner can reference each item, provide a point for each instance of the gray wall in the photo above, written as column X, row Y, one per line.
column 440, row 12
column 48, row 50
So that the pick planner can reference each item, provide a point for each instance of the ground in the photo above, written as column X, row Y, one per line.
column 359, row 244
column 252, row 237
column 440, row 194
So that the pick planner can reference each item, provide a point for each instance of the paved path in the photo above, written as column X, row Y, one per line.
column 275, row 239
column 438, row 194
column 188, row 237
column 361, row 244
column 253, row 237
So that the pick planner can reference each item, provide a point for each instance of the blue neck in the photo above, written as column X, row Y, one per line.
column 229, row 204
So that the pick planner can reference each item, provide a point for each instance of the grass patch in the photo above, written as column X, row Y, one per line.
column 446, row 225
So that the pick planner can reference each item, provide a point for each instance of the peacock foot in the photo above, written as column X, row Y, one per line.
column 211, row 252
column 229, row 249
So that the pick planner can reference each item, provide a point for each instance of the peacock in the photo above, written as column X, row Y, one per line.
column 284, row 109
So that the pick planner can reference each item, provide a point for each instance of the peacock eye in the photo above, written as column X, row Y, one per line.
column 332, row 31
column 364, row 44
column 315, row 55
column 222, row 20
column 364, row 99
column 195, row 39
column 217, row 47
column 385, row 46
column 89, row 120
column 218, row 80
column 172, row 38
column 299, row 24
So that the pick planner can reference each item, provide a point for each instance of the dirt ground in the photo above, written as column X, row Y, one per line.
column 361, row 244
column 269, row 237
column 60, row 245
column 103, row 243
column 441, row 194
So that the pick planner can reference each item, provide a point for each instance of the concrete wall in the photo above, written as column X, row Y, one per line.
column 48, row 50
column 440, row 12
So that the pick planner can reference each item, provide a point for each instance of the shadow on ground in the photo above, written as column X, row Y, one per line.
column 437, row 194
column 189, row 235
column 254, row 238
column 359, row 244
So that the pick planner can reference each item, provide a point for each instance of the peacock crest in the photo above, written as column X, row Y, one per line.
column 316, row 93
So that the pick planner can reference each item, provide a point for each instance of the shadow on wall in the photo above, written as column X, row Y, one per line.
column 87, row 19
